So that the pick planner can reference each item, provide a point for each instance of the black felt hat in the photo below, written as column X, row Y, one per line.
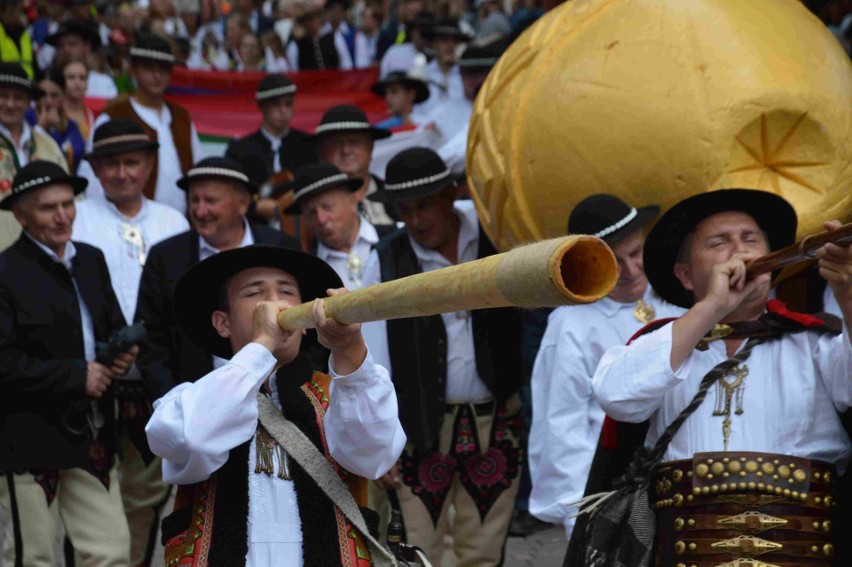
column 407, row 79
column 274, row 86
column 609, row 218
column 197, row 293
column 446, row 27
column 221, row 167
column 348, row 118
column 478, row 55
column 37, row 174
column 152, row 48
column 13, row 75
column 315, row 178
column 118, row 136
column 412, row 174
column 774, row 215
column 85, row 30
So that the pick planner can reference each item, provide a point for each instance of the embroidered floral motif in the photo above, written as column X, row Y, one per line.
column 484, row 475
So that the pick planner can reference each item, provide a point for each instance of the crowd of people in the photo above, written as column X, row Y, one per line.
column 292, row 448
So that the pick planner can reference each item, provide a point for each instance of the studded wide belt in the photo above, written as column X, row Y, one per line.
column 738, row 509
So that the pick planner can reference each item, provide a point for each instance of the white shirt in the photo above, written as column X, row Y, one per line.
column 195, row 426
column 795, row 387
column 21, row 149
column 205, row 250
column 442, row 87
column 567, row 419
column 351, row 273
column 451, row 118
column 85, row 315
column 100, row 85
column 454, row 152
column 362, row 53
column 99, row 223
column 829, row 302
column 463, row 381
column 168, row 164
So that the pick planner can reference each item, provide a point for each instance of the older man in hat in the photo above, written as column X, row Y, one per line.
column 125, row 225
column 221, row 437
column 566, row 417
column 20, row 143
column 402, row 91
column 57, row 430
column 442, row 72
column 759, row 454
column 325, row 198
column 345, row 139
column 456, row 375
column 274, row 147
column 151, row 62
column 219, row 193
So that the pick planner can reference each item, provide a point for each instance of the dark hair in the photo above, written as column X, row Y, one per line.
column 57, row 72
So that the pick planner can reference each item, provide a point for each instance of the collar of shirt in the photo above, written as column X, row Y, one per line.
column 610, row 307
column 275, row 142
column 366, row 233
column 67, row 257
column 26, row 134
column 153, row 118
column 138, row 218
column 205, row 250
column 468, row 238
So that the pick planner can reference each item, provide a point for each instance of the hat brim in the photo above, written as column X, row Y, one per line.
column 643, row 216
column 375, row 133
column 775, row 216
column 353, row 184
column 420, row 88
column 388, row 197
column 33, row 91
column 78, row 185
column 197, row 293
column 90, row 36
column 122, row 148
column 184, row 182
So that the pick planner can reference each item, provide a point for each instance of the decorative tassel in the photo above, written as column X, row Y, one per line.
column 267, row 447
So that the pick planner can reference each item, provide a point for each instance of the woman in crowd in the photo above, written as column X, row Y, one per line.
column 72, row 77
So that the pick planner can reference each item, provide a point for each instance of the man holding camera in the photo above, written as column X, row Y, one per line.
column 57, row 430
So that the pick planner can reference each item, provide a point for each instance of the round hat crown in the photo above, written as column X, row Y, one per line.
column 343, row 113
column 117, row 128
column 152, row 47
column 412, row 165
column 596, row 213
column 275, row 85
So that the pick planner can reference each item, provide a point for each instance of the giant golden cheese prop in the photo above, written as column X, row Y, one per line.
column 657, row 100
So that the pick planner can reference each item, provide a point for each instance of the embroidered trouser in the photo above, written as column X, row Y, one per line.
column 467, row 486
column 143, row 493
column 91, row 514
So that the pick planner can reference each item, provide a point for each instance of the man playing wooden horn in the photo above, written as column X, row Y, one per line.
column 456, row 375
column 243, row 499
column 567, row 419
column 751, row 471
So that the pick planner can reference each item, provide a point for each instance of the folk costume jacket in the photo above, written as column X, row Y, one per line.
column 168, row 357
column 42, row 360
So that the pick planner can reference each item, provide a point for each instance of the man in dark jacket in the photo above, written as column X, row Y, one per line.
column 57, row 430
column 219, row 196
column 274, row 147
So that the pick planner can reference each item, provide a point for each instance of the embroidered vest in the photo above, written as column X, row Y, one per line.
column 181, row 129
column 208, row 525
column 418, row 348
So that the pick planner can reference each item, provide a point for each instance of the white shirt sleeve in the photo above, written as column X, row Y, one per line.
column 833, row 358
column 362, row 51
column 342, row 52
column 630, row 381
column 293, row 56
column 362, row 425
column 195, row 425
column 565, row 429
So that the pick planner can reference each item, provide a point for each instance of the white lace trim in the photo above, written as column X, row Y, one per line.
column 152, row 54
column 339, row 178
column 417, row 182
column 343, row 126
column 272, row 93
column 219, row 171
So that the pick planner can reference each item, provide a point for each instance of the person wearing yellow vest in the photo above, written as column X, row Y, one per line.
column 151, row 62
column 16, row 45
column 20, row 143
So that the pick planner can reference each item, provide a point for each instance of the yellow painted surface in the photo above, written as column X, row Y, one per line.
column 657, row 100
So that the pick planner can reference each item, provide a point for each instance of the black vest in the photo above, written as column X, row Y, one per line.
column 321, row 54
column 418, row 348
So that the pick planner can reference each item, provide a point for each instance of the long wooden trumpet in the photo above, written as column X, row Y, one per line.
column 562, row 271
column 799, row 252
